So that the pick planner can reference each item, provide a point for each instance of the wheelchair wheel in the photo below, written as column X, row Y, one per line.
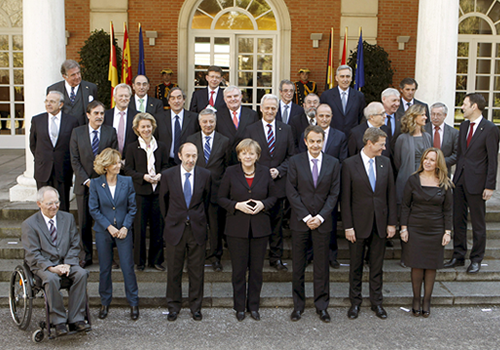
column 37, row 336
column 20, row 298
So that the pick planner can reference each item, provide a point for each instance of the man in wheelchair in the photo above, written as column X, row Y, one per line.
column 52, row 245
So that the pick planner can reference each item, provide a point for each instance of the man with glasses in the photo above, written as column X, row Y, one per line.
column 211, row 96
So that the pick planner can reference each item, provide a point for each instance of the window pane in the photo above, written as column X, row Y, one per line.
column 19, row 110
column 4, row 77
column 483, row 66
column 459, row 98
column 496, row 100
column 467, row 5
column 19, row 93
column 264, row 79
column 221, row 45
column 497, row 67
column 483, row 5
column 201, row 44
column 245, row 79
column 202, row 59
column 265, row 45
column 210, row 6
column 17, row 41
column 462, row 66
column 199, row 78
column 265, row 62
column 245, row 45
column 482, row 83
column 18, row 59
column 262, row 92
column 4, row 59
column 242, row 3
column 258, row 7
column 247, row 95
column 463, row 50
column 4, row 42
column 459, row 116
column 496, row 84
column 245, row 62
column 484, row 49
column 267, row 22
column 234, row 20
column 18, row 76
column 4, row 109
column 4, row 94
column 496, row 116
column 461, row 82
column 201, row 21
column 221, row 61
column 474, row 25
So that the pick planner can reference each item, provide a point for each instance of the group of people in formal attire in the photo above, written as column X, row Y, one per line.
column 220, row 173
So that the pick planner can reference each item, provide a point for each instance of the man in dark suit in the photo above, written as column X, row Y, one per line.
column 375, row 118
column 184, row 196
column 86, row 142
column 391, row 102
column 276, row 141
column 77, row 93
column 475, row 180
column 443, row 136
column 177, row 126
column 287, row 109
column 121, row 117
column 49, row 142
column 211, row 95
column 369, row 215
column 52, row 244
column 233, row 119
column 300, row 122
column 312, row 189
column 141, row 102
column 346, row 103
column 408, row 87
column 213, row 150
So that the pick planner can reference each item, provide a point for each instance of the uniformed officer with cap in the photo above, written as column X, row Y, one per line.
column 303, row 87
column 163, row 89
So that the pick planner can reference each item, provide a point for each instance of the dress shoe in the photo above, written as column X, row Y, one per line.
column 296, row 315
column 324, row 315
column 61, row 329
column 278, row 265
column 416, row 313
column 379, row 311
column 134, row 312
column 389, row 243
column 197, row 316
column 159, row 267
column 353, row 312
column 172, row 316
column 103, row 312
column 255, row 315
column 79, row 326
column 140, row 267
column 402, row 264
column 85, row 263
column 240, row 315
column 217, row 266
column 454, row 262
column 334, row 264
column 426, row 313
column 474, row 267
column 114, row 265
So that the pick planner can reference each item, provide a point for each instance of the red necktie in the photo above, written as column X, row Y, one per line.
column 471, row 129
column 437, row 138
column 211, row 102
column 235, row 120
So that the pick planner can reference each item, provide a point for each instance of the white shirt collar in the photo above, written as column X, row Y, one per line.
column 68, row 88
column 46, row 218
column 342, row 91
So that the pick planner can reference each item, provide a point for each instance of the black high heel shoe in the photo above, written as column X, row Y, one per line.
column 416, row 313
column 426, row 313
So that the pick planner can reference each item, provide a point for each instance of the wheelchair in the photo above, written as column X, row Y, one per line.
column 23, row 289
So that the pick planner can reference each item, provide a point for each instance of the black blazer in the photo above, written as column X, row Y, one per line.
column 48, row 157
column 336, row 145
column 306, row 199
column 173, row 205
column 449, row 143
column 284, row 148
column 154, row 106
column 478, row 163
column 130, row 135
column 199, row 100
column 355, row 141
column 82, row 157
column 234, row 188
column 360, row 205
column 136, row 166
column 354, row 108
column 217, row 163
column 298, row 123
column 401, row 110
column 295, row 109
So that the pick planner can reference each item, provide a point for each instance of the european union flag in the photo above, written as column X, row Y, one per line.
column 359, row 80
column 141, row 70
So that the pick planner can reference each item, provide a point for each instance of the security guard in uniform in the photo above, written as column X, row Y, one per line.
column 163, row 89
column 303, row 87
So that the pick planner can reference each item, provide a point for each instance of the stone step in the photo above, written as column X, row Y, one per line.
column 278, row 294
column 393, row 272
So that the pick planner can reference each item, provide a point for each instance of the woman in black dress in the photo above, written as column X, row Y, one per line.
column 426, row 222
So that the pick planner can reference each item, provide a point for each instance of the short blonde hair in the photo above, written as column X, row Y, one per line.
column 408, row 124
column 107, row 157
column 247, row 144
column 143, row 116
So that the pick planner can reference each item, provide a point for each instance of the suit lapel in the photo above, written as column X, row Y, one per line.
column 337, row 100
column 105, row 186
column 241, row 177
column 307, row 167
column 329, row 142
column 85, row 94
column 350, row 100
column 477, row 133
column 215, row 148
column 43, row 226
column 360, row 167
column 185, row 122
column 381, row 172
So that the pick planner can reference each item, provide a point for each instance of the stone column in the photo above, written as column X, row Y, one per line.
column 44, row 51
column 436, row 62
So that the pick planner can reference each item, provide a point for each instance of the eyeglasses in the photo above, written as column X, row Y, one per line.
column 49, row 204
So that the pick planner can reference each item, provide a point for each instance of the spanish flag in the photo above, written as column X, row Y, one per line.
column 113, row 69
column 330, row 80
column 126, row 62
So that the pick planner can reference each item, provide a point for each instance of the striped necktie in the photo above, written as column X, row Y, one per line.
column 206, row 149
column 95, row 143
column 53, row 231
column 270, row 139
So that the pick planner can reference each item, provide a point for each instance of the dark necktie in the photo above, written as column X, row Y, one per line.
column 389, row 125
column 53, row 231
column 284, row 117
column 72, row 97
column 315, row 172
column 206, row 149
column 437, row 137
column 187, row 190
column 95, row 142
column 471, row 130
column 270, row 139
column 177, row 137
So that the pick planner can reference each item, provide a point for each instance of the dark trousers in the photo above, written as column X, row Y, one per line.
column 463, row 200
column 85, row 224
column 334, row 248
column 61, row 187
column 148, row 209
column 276, row 238
column 247, row 254
column 195, row 269
column 376, row 247
column 321, row 273
column 105, row 242
column 216, row 223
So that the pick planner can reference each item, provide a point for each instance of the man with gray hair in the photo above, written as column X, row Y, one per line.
column 346, row 103
column 287, row 109
column 443, row 136
column 77, row 93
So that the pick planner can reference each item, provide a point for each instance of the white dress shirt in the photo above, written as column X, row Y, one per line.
column 68, row 88
column 46, row 218
column 210, row 141
column 311, row 165
column 476, row 123
column 57, row 122
column 366, row 163
column 116, row 119
column 138, row 103
column 183, row 178
column 172, row 121
column 266, row 128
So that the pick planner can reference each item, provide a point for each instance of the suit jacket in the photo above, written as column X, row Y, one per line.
column 299, row 123
column 48, row 157
column 40, row 252
column 354, row 108
column 174, row 209
column 226, row 127
column 295, row 109
column 449, row 143
column 234, row 188
column 89, row 93
column 401, row 110
column 355, row 142
column 306, row 199
column 360, row 204
column 284, row 148
column 154, row 106
column 82, row 157
column 218, row 161
column 478, row 163
column 130, row 135
column 164, row 133
column 199, row 100
column 106, row 210
column 136, row 166
column 336, row 144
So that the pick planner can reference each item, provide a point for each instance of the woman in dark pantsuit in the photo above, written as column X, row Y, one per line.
column 426, row 222
column 247, row 193
column 146, row 158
